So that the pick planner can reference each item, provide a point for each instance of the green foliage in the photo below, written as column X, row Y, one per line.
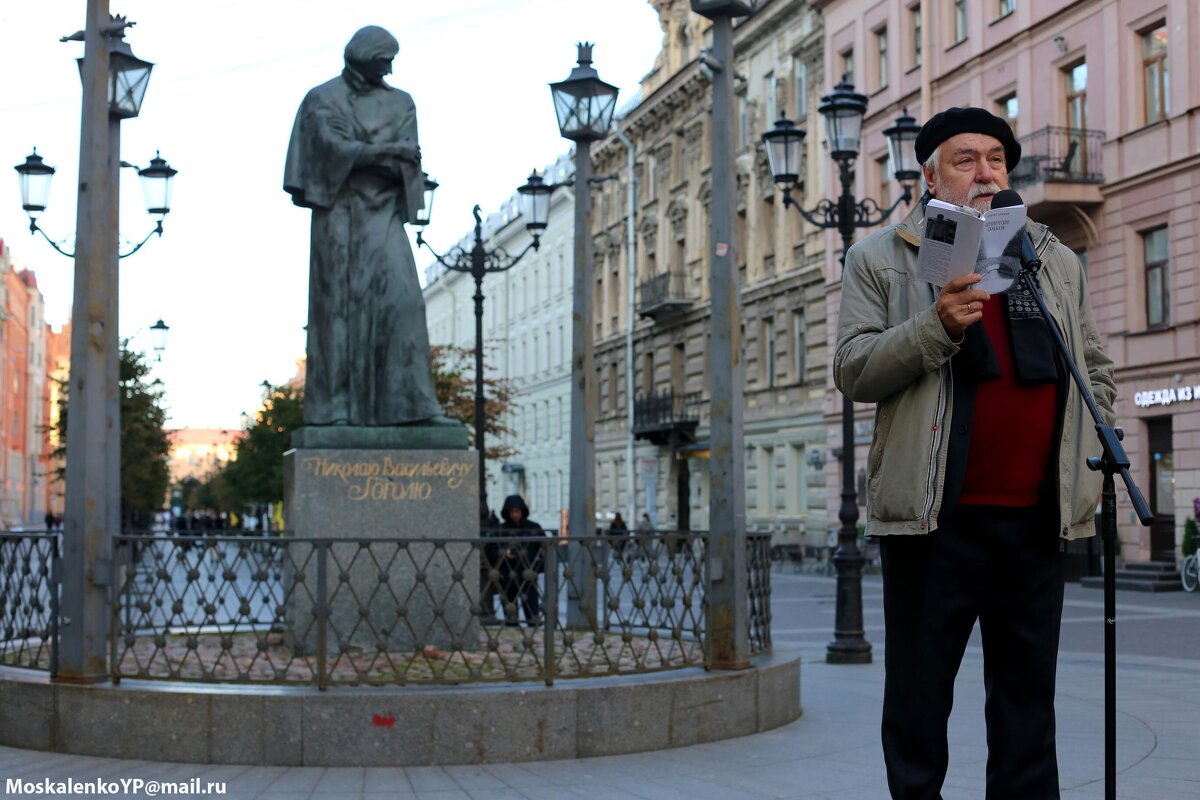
column 255, row 475
column 454, row 383
column 1191, row 536
column 145, row 448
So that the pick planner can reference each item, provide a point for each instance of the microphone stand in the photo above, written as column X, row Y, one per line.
column 1112, row 461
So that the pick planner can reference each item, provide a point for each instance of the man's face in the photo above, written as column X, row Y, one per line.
column 376, row 68
column 971, row 169
column 516, row 514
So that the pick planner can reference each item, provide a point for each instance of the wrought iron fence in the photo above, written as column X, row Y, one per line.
column 370, row 611
column 758, row 563
column 666, row 288
column 29, row 600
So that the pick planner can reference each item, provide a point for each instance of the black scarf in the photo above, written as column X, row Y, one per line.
column 1032, row 350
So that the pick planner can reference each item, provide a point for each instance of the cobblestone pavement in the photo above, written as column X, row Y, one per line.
column 833, row 751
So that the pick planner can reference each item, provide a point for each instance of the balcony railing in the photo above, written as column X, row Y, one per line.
column 1059, row 155
column 661, row 416
column 663, row 295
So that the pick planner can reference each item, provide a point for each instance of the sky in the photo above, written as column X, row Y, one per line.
column 230, row 273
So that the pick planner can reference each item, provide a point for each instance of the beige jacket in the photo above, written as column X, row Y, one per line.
column 893, row 351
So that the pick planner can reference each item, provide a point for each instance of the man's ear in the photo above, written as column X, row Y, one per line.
column 927, row 173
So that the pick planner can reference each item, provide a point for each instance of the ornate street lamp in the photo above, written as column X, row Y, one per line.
column 584, row 105
column 158, row 338
column 478, row 262
column 427, row 192
column 35, row 176
column 728, row 639
column 843, row 109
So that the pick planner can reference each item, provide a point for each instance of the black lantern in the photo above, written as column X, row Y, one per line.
column 158, row 338
column 843, row 109
column 902, row 147
column 785, row 148
column 34, row 176
column 128, row 77
column 156, row 186
column 535, row 203
column 723, row 8
column 583, row 103
column 426, row 211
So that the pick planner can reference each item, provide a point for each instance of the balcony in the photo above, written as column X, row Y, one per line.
column 663, row 296
column 1060, row 165
column 666, row 417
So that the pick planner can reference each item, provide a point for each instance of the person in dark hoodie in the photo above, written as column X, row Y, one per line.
column 522, row 561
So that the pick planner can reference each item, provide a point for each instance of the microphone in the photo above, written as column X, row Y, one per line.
column 1007, row 198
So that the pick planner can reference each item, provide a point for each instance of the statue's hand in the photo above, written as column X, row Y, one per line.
column 401, row 150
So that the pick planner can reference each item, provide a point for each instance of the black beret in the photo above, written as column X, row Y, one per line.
column 953, row 121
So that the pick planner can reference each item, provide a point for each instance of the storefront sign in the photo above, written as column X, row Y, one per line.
column 1165, row 397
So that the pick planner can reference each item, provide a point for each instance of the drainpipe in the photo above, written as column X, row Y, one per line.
column 631, row 244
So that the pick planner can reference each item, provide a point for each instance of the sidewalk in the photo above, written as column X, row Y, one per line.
column 832, row 752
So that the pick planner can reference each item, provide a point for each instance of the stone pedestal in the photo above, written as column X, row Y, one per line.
column 392, row 594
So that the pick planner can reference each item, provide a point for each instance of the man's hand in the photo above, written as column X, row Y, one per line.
column 960, row 305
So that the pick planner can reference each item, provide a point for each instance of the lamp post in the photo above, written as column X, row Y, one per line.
column 114, row 84
column 584, row 106
column 843, row 110
column 728, row 638
column 477, row 263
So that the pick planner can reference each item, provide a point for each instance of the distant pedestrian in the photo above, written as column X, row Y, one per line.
column 49, row 521
column 619, row 532
column 523, row 561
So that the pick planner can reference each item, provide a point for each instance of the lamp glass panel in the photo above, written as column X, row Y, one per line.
column 127, row 86
column 584, row 108
column 902, row 148
column 156, row 191
column 426, row 212
column 158, row 336
column 784, row 153
column 35, row 192
column 535, row 208
column 845, row 129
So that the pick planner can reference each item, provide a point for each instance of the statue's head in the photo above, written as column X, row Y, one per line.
column 370, row 53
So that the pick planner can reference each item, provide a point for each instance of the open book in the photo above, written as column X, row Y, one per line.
column 958, row 240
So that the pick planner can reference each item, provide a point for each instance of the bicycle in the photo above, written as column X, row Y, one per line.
column 1189, row 572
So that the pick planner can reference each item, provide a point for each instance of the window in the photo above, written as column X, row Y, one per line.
column 960, row 20
column 800, row 88
column 743, row 121
column 1007, row 107
column 915, row 17
column 766, row 352
column 1005, row 7
column 1154, row 73
column 648, row 373
column 848, row 66
column 1076, row 164
column 1154, row 249
column 799, row 345
column 881, row 48
column 769, row 89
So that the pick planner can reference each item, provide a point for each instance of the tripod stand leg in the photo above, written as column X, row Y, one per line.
column 1108, row 532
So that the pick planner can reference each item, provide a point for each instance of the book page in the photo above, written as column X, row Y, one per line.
column 1000, row 250
column 950, row 238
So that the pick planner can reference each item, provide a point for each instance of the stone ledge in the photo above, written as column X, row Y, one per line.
column 397, row 726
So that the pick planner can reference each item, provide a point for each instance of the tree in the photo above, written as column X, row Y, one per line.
column 145, row 448
column 255, row 475
column 454, row 383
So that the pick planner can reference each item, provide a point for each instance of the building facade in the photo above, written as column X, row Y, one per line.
column 782, row 277
column 526, row 330
column 1101, row 94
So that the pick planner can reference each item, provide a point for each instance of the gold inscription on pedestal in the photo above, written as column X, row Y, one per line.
column 387, row 479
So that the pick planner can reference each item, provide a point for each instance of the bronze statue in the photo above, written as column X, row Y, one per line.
column 354, row 160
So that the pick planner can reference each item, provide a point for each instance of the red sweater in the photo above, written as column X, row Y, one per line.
column 1012, row 431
